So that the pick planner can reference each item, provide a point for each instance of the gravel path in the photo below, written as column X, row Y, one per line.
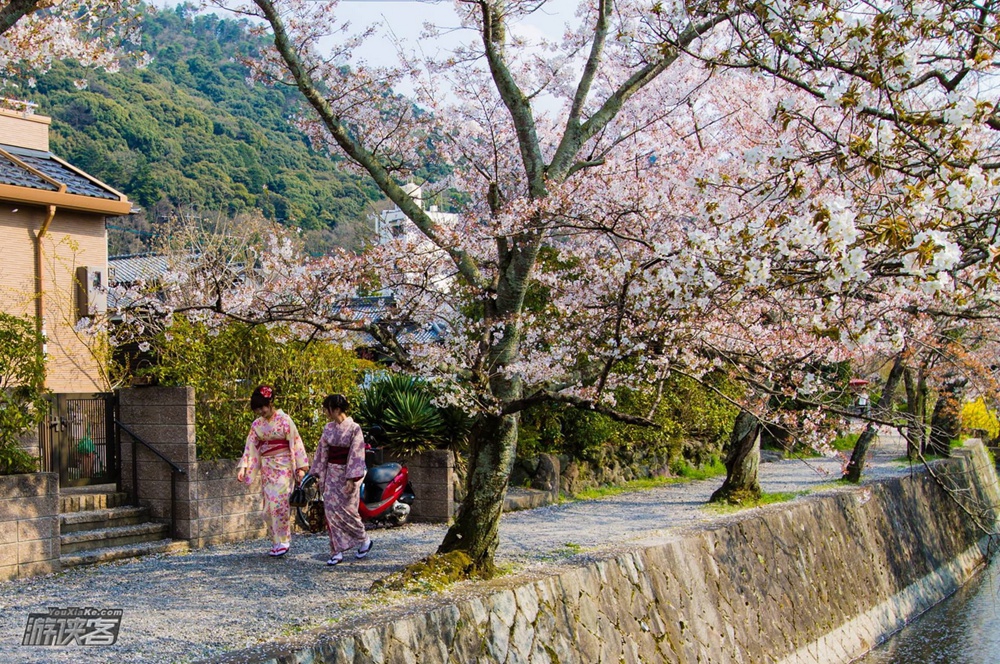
column 184, row 608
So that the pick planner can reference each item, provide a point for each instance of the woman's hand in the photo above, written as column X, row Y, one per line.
column 241, row 475
column 300, row 473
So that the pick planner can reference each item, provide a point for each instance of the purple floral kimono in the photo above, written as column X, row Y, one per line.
column 341, row 455
column 274, row 447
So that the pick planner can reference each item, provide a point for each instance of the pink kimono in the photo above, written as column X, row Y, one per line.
column 275, row 448
column 341, row 455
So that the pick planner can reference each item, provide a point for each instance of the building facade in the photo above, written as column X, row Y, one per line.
column 52, row 227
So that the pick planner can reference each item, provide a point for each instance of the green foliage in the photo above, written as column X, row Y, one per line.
column 402, row 418
column 694, row 425
column 190, row 131
column 684, row 469
column 22, row 398
column 846, row 442
column 224, row 366
column 632, row 485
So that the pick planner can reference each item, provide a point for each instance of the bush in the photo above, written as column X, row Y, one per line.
column 976, row 416
column 400, row 416
column 22, row 397
column 225, row 364
column 694, row 426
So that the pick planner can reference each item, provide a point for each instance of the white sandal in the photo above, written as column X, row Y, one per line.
column 335, row 559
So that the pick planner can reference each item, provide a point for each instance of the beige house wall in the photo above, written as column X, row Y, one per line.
column 73, row 239
column 24, row 130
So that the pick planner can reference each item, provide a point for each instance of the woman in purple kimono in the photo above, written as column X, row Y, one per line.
column 339, row 465
column 274, row 447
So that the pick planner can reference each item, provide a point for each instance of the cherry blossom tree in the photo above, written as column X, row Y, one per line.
column 34, row 33
column 722, row 188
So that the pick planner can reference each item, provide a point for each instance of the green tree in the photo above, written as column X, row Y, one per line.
column 22, row 397
column 224, row 364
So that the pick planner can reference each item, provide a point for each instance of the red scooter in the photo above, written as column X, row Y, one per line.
column 386, row 496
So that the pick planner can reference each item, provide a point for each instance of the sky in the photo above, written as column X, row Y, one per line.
column 405, row 19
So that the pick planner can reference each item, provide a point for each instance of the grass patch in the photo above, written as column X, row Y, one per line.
column 907, row 461
column 835, row 484
column 846, row 442
column 689, row 472
column 683, row 473
column 765, row 499
column 634, row 485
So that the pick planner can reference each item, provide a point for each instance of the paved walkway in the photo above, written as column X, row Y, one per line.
column 189, row 607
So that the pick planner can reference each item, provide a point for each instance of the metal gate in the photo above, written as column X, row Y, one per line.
column 77, row 439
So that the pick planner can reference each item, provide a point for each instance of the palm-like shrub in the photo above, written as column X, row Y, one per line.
column 399, row 415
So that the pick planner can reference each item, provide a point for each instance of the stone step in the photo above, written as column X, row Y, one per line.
column 73, row 522
column 101, row 538
column 83, row 502
column 107, row 554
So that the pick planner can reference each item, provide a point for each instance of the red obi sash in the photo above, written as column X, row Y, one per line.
column 272, row 447
column 337, row 455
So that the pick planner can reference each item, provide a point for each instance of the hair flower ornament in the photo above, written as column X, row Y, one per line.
column 266, row 392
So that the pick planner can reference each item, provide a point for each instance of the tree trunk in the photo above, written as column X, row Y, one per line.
column 476, row 530
column 916, row 409
column 882, row 410
column 742, row 463
column 946, row 421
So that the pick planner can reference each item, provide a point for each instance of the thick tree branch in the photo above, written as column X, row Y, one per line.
column 15, row 10
column 577, row 402
column 303, row 80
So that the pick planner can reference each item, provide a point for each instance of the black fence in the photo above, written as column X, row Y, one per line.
column 78, row 439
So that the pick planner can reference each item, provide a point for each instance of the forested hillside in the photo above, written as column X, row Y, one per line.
column 188, row 132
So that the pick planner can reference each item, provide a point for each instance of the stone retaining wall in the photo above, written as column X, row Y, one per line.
column 820, row 580
column 29, row 525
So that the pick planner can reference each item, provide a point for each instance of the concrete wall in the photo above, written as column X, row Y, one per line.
column 212, row 507
column 164, row 418
column 431, row 476
column 29, row 525
column 819, row 580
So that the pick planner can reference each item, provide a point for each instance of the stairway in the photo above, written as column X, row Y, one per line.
column 98, row 525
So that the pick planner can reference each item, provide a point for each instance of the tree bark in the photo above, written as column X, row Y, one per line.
column 946, row 421
column 14, row 11
column 742, row 463
column 916, row 409
column 883, row 408
column 476, row 530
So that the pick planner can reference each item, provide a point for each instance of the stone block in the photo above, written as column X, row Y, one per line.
column 8, row 572
column 156, row 435
column 8, row 532
column 8, row 554
column 181, row 415
column 34, row 551
column 154, row 397
column 39, row 568
column 35, row 529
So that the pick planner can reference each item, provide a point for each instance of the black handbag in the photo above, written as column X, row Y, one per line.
column 298, row 497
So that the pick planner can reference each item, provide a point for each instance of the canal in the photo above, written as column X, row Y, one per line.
column 963, row 629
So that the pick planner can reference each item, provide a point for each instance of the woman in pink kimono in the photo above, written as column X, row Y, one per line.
column 339, row 465
column 274, row 447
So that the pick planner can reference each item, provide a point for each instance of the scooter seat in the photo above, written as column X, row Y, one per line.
column 383, row 474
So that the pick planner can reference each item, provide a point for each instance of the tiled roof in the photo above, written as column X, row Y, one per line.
column 130, row 269
column 12, row 173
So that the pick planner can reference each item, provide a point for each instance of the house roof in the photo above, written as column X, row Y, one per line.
column 35, row 176
column 133, row 268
